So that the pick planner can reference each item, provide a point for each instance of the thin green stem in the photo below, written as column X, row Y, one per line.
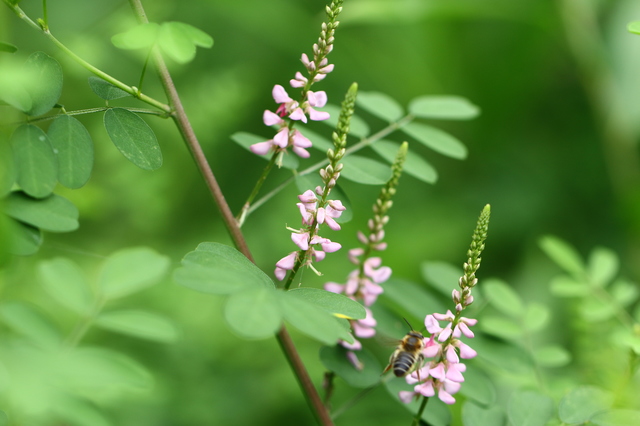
column 45, row 18
column 97, row 109
column 355, row 148
column 144, row 70
column 245, row 208
column 84, row 324
column 416, row 419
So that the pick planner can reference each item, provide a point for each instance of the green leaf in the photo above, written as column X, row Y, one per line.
column 414, row 165
column 564, row 286
column 139, row 37
column 67, row 284
column 582, row 403
column 143, row 324
column 365, row 170
column 319, row 142
column 45, row 82
column 219, row 269
column 624, row 292
column 254, row 313
column 106, row 90
column 380, row 105
column 411, row 297
column 603, row 266
column 503, row 298
column 23, row 239
column 312, row 180
column 475, row 415
column 504, row 356
column 7, row 47
column 478, row 387
column 245, row 140
column 563, row 255
column 552, row 356
column 536, row 317
column 13, row 82
column 7, row 168
column 73, row 147
column 54, row 213
column 37, row 169
column 358, row 127
column 334, row 358
column 529, row 408
column 441, row 275
column 29, row 322
column 77, row 412
column 336, row 304
column 501, row 327
column 130, row 270
column 619, row 417
column 443, row 107
column 437, row 140
column 634, row 27
column 133, row 137
column 179, row 40
column 596, row 310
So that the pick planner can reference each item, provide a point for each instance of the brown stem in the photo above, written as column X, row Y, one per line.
column 184, row 126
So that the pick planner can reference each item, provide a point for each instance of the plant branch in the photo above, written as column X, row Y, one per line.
column 184, row 126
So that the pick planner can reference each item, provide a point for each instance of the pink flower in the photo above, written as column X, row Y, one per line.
column 280, row 140
column 285, row 264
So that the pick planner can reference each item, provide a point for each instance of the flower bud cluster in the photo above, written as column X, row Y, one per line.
column 290, row 110
column 442, row 370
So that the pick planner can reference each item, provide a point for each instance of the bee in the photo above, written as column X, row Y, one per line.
column 408, row 355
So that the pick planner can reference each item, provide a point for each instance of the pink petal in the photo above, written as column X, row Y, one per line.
column 438, row 371
column 261, row 148
column 280, row 273
column 406, row 396
column 332, row 223
column 300, row 152
column 300, row 140
column 426, row 388
column 298, row 114
column 432, row 324
column 270, row 118
column 282, row 137
column 317, row 99
column 451, row 354
column 301, row 240
column 316, row 115
column 334, row 287
column 280, row 95
column 446, row 397
column 331, row 246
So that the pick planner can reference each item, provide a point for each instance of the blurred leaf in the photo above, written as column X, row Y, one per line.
column 336, row 304
column 536, row 317
column 478, row 387
column 219, row 269
column 179, row 40
column 100, row 372
column 563, row 255
column 603, row 266
column 334, row 358
column 37, row 169
column 143, row 324
column 106, row 90
column 254, row 313
column 381, row 105
column 27, row 321
column 441, row 275
column 24, row 240
column 73, row 147
column 414, row 165
column 65, row 282
column 365, row 170
column 13, row 82
column 133, row 137
column 312, row 320
column 443, row 108
column 624, row 292
column 529, row 408
column 595, row 310
column 503, row 298
column 552, row 356
column 54, row 213
column 312, row 180
column 130, row 270
column 358, row 127
column 319, row 142
column 475, row 415
column 504, row 356
column 245, row 140
column 582, row 403
column 634, row 27
column 438, row 413
column 618, row 417
column 501, row 327
column 7, row 169
column 138, row 37
column 45, row 82
column 564, row 286
column 7, row 47
column 436, row 139
column 4, row 419
column 411, row 297
column 627, row 339
column 79, row 413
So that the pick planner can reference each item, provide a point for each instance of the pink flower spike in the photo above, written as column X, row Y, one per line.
column 301, row 240
column 336, row 205
column 305, row 60
column 438, row 371
column 362, row 238
column 308, row 197
column 444, row 317
column 320, row 76
column 327, row 69
column 432, row 324
column 451, row 354
column 445, row 333
column 261, row 148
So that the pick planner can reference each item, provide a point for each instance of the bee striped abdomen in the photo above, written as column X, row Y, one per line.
column 403, row 363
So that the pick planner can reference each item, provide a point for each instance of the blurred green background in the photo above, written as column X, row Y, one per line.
column 555, row 150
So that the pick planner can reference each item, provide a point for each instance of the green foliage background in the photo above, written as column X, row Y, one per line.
column 554, row 152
